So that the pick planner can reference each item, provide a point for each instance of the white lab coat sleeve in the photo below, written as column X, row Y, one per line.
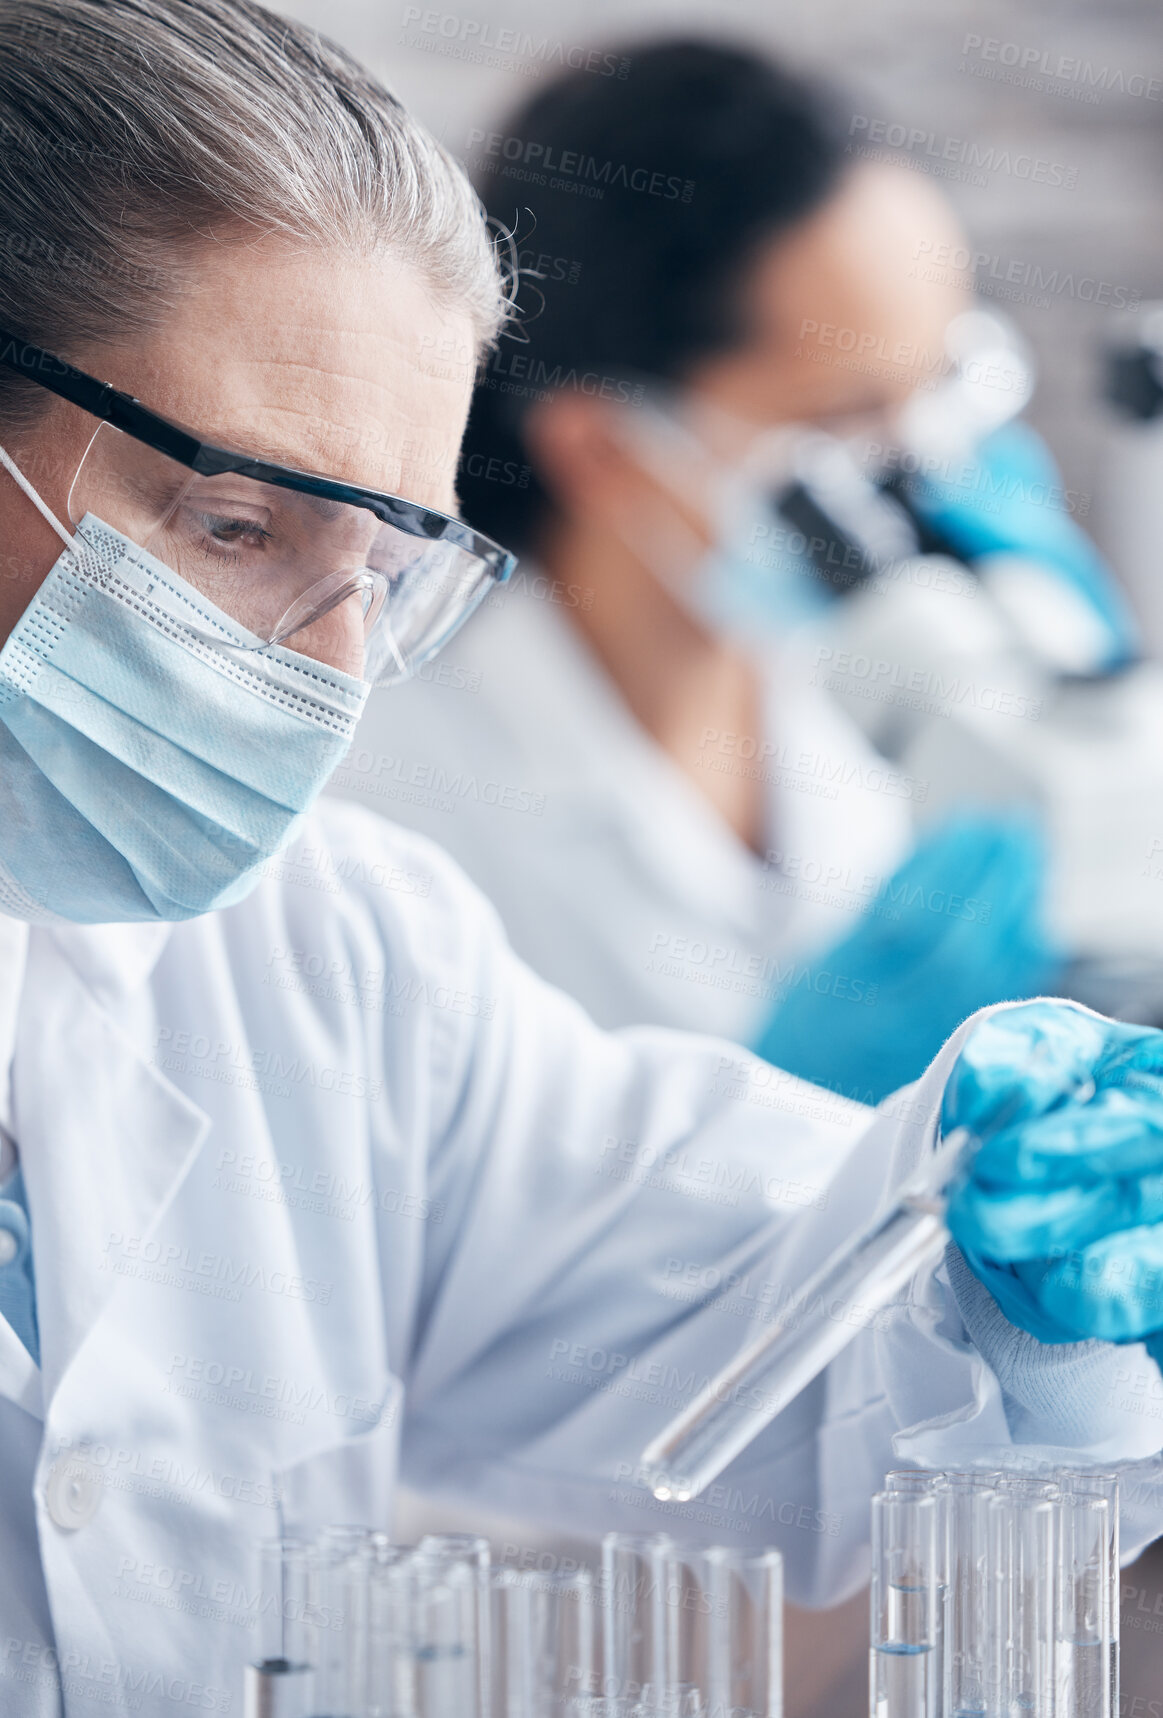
column 597, row 1190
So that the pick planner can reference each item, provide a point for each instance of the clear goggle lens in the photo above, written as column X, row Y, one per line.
column 324, row 577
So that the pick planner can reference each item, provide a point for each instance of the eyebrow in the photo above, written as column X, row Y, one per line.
column 275, row 455
column 320, row 504
column 271, row 452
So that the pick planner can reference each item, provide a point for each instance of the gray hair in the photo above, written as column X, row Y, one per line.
column 129, row 129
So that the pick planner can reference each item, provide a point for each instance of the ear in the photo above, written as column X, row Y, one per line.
column 580, row 458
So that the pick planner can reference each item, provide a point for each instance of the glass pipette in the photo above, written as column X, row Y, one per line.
column 862, row 1276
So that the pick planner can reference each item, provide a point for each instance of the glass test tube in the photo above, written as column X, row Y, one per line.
column 907, row 1559
column 731, row 1632
column 972, row 1675
column 1106, row 1485
column 576, row 1666
column 923, row 1482
column 641, row 1584
column 473, row 1551
column 444, row 1634
column 1083, row 1627
column 341, row 1584
column 771, row 1369
column 757, row 1676
column 1024, row 1533
column 279, row 1683
column 391, row 1679
column 543, row 1642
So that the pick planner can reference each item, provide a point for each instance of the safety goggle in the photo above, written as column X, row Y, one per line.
column 290, row 555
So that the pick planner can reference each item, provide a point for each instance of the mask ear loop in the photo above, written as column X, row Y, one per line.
column 42, row 507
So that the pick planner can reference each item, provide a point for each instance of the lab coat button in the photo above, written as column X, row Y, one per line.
column 9, row 1247
column 72, row 1491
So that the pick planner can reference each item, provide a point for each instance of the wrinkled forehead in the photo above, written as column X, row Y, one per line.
column 349, row 366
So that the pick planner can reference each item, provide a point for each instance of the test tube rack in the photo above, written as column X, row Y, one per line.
column 995, row 1595
column 354, row 1626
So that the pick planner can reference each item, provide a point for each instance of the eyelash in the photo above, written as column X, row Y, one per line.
column 225, row 554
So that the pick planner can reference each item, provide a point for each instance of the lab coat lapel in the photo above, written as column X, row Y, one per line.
column 104, row 1138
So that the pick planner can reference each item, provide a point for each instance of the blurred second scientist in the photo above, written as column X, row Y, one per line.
column 675, row 823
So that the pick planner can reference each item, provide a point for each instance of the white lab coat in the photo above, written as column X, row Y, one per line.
column 614, row 876
column 330, row 1183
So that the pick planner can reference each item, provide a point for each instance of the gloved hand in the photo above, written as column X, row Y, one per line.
column 1060, row 1211
column 1003, row 503
column 957, row 927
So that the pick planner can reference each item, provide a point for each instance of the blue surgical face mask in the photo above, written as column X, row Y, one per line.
column 151, row 758
column 753, row 583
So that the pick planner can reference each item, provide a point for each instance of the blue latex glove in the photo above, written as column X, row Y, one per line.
column 1060, row 1212
column 1003, row 503
column 957, row 927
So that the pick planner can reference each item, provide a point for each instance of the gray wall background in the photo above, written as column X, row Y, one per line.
column 1097, row 120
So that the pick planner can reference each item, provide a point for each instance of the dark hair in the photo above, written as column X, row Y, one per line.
column 650, row 194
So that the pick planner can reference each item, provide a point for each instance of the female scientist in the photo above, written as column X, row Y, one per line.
column 308, row 1179
column 676, row 823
